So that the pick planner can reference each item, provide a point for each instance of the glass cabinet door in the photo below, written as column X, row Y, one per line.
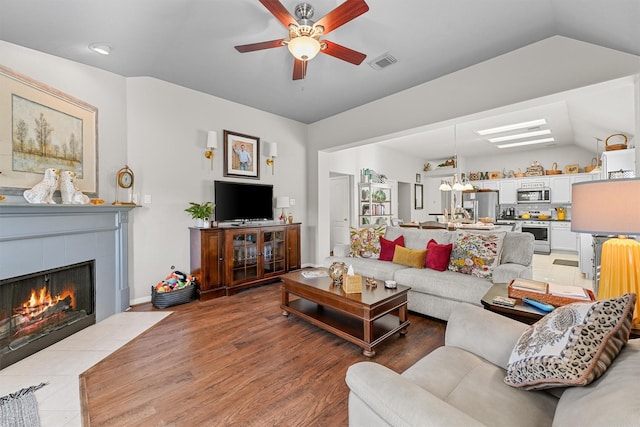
column 245, row 256
column 274, row 252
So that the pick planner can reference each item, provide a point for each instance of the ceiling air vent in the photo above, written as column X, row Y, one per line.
column 382, row 61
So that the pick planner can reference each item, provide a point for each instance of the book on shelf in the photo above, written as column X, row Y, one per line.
column 530, row 285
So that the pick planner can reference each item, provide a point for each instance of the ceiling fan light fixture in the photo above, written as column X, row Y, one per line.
column 304, row 48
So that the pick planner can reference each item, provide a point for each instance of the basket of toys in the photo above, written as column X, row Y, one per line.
column 177, row 288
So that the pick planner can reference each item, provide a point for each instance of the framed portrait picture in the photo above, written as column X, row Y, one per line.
column 419, row 204
column 42, row 128
column 418, row 176
column 241, row 155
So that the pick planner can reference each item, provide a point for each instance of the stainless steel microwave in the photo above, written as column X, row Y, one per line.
column 534, row 195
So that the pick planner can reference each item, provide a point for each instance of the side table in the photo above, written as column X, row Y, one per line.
column 521, row 312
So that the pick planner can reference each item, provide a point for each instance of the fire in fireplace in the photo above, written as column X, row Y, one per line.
column 39, row 309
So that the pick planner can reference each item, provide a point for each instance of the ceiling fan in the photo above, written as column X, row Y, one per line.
column 304, row 34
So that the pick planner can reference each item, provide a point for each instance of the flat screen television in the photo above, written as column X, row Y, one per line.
column 237, row 201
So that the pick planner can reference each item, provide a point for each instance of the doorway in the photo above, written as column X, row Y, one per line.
column 341, row 208
column 404, row 201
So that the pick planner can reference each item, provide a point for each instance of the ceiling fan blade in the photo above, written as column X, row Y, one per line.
column 279, row 11
column 259, row 46
column 343, row 53
column 342, row 14
column 299, row 69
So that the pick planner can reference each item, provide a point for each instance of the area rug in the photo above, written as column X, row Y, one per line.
column 20, row 409
column 566, row 262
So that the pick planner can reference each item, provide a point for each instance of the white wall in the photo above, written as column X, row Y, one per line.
column 159, row 130
column 104, row 90
column 167, row 126
column 553, row 65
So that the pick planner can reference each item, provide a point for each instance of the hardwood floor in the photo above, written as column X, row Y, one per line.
column 237, row 361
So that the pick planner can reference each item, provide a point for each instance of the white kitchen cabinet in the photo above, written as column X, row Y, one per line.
column 562, row 238
column 560, row 189
column 491, row 184
column 507, row 189
column 619, row 161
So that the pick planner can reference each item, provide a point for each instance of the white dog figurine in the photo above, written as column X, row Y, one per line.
column 43, row 191
column 71, row 195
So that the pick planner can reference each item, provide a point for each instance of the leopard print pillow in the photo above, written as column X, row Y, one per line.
column 571, row 346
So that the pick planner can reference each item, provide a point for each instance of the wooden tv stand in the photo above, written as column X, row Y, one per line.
column 227, row 259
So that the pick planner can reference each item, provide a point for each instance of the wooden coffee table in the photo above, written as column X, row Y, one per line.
column 365, row 319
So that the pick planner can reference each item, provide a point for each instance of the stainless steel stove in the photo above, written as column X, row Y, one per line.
column 541, row 231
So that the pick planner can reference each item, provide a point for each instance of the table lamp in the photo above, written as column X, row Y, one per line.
column 282, row 202
column 610, row 207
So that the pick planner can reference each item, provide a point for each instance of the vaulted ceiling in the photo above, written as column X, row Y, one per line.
column 191, row 43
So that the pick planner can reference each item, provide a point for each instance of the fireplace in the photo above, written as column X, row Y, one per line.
column 39, row 309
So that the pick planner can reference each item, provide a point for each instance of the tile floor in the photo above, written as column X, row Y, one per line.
column 62, row 363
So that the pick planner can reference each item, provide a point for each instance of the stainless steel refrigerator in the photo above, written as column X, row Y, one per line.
column 481, row 204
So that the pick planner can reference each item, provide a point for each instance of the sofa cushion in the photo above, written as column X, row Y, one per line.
column 417, row 239
column 366, row 241
column 474, row 386
column 388, row 247
column 611, row 400
column 476, row 254
column 517, row 248
column 445, row 284
column 438, row 255
column 410, row 257
column 571, row 346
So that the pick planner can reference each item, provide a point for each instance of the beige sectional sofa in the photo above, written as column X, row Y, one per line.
column 462, row 384
column 436, row 293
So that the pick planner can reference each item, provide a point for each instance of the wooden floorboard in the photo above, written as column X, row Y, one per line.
column 236, row 361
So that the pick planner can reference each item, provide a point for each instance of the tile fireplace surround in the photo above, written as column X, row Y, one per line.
column 37, row 237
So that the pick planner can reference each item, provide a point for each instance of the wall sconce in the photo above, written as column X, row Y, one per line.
column 273, row 152
column 212, row 144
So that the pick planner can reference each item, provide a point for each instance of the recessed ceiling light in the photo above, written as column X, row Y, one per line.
column 533, row 141
column 520, row 136
column 101, row 48
column 514, row 126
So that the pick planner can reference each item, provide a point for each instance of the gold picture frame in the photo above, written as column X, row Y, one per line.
column 42, row 127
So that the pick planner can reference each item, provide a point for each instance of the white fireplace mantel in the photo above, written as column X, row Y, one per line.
column 37, row 237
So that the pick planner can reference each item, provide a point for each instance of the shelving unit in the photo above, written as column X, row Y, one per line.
column 375, row 203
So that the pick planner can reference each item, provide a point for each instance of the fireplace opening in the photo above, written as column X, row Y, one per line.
column 42, row 308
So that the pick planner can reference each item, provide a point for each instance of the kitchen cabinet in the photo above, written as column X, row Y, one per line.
column 585, row 242
column 492, row 184
column 562, row 238
column 621, row 161
column 560, row 189
column 561, row 186
column 507, row 191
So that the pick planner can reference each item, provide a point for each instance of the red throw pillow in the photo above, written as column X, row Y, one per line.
column 438, row 255
column 388, row 248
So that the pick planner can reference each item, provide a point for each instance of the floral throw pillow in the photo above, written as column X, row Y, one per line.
column 571, row 346
column 476, row 254
column 365, row 242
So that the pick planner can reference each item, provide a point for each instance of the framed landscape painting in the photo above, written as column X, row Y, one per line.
column 41, row 128
column 241, row 155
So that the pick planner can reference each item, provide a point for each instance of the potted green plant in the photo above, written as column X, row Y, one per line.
column 201, row 212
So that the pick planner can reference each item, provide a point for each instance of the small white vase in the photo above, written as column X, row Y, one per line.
column 203, row 223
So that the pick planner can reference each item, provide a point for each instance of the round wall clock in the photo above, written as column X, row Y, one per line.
column 124, row 182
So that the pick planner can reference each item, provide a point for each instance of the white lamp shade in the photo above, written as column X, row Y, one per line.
column 212, row 139
column 282, row 202
column 606, row 207
column 304, row 48
column 273, row 149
